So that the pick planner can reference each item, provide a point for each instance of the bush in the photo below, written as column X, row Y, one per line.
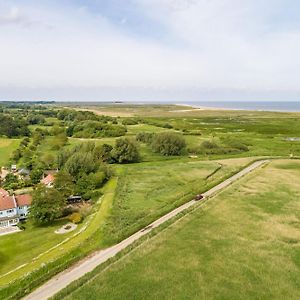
column 209, row 145
column 168, row 143
column 125, row 151
column 145, row 137
column 75, row 217
column 130, row 122
column 237, row 145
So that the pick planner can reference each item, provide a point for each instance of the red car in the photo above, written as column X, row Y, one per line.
column 199, row 197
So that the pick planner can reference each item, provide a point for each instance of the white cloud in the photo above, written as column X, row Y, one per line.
column 215, row 45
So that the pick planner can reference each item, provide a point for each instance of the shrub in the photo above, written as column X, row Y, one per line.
column 145, row 137
column 75, row 217
column 125, row 151
column 129, row 122
column 168, row 143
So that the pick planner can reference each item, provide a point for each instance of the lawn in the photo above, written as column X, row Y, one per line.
column 145, row 191
column 7, row 147
column 33, row 246
column 19, row 248
column 241, row 244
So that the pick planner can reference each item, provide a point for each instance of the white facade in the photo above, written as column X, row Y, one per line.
column 12, row 215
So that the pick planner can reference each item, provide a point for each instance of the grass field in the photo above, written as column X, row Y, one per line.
column 242, row 244
column 144, row 192
column 19, row 248
column 7, row 147
column 147, row 190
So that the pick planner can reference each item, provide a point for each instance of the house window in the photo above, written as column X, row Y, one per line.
column 10, row 210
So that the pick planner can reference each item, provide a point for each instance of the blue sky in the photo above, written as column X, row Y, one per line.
column 150, row 50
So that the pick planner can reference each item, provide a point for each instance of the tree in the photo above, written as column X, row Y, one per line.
column 168, row 143
column 64, row 183
column 103, row 153
column 36, row 175
column 80, row 163
column 47, row 205
column 125, row 151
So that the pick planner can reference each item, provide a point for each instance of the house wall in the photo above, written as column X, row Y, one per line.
column 10, row 222
column 23, row 211
column 8, row 213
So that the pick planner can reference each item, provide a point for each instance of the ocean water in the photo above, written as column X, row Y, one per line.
column 285, row 106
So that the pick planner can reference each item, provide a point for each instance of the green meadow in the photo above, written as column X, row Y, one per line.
column 139, row 193
column 241, row 244
column 7, row 146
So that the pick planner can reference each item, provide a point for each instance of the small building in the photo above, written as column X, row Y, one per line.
column 48, row 181
column 24, row 173
column 13, row 208
column 74, row 199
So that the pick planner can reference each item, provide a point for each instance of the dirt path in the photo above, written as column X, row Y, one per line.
column 61, row 280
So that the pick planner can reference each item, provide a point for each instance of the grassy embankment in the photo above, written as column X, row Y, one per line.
column 242, row 244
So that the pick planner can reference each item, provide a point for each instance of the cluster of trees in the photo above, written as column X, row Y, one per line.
column 165, row 143
column 83, row 171
column 27, row 150
column 13, row 126
column 78, row 116
column 12, row 182
column 95, row 129
column 85, row 166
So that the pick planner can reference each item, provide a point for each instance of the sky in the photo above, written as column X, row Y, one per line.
column 150, row 50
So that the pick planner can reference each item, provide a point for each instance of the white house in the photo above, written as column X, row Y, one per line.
column 13, row 208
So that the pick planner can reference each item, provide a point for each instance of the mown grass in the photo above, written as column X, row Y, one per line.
column 19, row 248
column 42, row 265
column 242, row 244
column 7, row 147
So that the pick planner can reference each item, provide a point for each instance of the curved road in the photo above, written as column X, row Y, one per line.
column 61, row 280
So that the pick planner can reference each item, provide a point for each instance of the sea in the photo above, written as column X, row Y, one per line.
column 284, row 106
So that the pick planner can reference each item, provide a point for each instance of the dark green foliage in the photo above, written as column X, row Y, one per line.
column 96, row 129
column 168, row 143
column 12, row 182
column 125, row 151
column 103, row 153
column 89, row 183
column 47, row 205
column 36, row 175
column 129, row 121
column 13, row 126
column 84, row 166
column 80, row 163
column 34, row 118
column 64, row 183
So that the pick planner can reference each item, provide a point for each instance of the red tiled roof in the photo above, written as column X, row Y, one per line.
column 3, row 192
column 7, row 202
column 23, row 200
column 48, row 179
